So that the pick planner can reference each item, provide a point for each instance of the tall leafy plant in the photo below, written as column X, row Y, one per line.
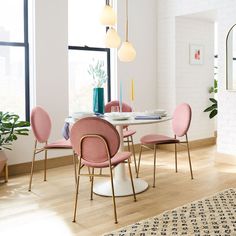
column 10, row 128
column 213, row 108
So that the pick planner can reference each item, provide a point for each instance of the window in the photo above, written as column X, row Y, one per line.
column 14, row 57
column 86, row 44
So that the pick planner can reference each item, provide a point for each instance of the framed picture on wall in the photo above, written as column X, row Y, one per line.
column 196, row 54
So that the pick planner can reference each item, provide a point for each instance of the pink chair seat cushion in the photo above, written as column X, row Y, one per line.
column 129, row 132
column 157, row 139
column 118, row 158
column 62, row 143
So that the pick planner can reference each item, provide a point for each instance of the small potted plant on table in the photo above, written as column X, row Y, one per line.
column 10, row 128
column 96, row 70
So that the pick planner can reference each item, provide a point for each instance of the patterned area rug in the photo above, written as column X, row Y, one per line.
column 215, row 215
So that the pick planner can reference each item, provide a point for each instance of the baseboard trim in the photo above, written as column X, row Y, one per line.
column 24, row 168
column 192, row 144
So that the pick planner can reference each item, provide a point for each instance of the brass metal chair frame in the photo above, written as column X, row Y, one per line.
column 45, row 150
column 92, row 175
column 155, row 156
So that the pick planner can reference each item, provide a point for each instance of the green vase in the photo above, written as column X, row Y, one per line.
column 98, row 100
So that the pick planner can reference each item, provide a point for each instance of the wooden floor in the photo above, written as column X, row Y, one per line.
column 48, row 209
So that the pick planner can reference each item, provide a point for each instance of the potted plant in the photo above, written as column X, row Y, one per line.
column 213, row 108
column 10, row 128
column 99, row 75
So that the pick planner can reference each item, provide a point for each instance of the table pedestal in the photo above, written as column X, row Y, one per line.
column 122, row 182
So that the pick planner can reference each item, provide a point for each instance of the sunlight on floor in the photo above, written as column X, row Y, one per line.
column 29, row 225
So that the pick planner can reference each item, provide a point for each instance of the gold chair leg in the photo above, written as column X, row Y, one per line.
column 189, row 158
column 128, row 143
column 45, row 163
column 154, row 169
column 6, row 173
column 75, row 166
column 100, row 171
column 135, row 164
column 139, row 159
column 131, row 178
column 77, row 191
column 92, row 179
column 176, row 168
column 113, row 196
column 32, row 166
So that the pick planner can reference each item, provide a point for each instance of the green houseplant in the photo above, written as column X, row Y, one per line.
column 99, row 75
column 213, row 108
column 10, row 128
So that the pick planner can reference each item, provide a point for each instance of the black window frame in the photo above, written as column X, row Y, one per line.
column 97, row 49
column 25, row 45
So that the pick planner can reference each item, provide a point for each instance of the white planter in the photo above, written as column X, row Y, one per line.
column 3, row 160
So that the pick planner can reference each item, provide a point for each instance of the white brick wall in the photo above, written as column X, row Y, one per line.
column 167, row 12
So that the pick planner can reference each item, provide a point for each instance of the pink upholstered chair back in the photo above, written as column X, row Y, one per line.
column 41, row 124
column 181, row 119
column 93, row 148
column 125, row 107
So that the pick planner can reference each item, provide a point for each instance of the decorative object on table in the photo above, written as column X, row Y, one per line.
column 126, row 53
column 213, row 215
column 180, row 125
column 196, row 54
column 108, row 18
column 41, row 126
column 97, row 71
column 10, row 128
column 96, row 141
column 213, row 108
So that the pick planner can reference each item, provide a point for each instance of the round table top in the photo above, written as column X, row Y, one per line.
column 130, row 121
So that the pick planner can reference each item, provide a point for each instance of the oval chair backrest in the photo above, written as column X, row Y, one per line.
column 41, row 124
column 93, row 148
column 181, row 119
column 125, row 107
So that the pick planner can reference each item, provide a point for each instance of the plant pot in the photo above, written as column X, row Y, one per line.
column 3, row 160
column 98, row 100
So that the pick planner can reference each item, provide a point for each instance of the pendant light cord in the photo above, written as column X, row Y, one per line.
column 126, row 23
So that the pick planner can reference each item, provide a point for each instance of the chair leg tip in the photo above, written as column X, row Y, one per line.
column 116, row 222
column 73, row 221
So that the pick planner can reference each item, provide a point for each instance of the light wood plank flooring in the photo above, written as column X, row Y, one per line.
column 48, row 209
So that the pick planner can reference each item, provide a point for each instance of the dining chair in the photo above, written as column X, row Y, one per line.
column 41, row 125
column 96, row 142
column 127, row 133
column 180, row 125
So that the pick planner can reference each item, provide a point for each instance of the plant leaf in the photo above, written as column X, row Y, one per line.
column 213, row 113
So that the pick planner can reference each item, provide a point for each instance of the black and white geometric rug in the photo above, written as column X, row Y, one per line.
column 214, row 215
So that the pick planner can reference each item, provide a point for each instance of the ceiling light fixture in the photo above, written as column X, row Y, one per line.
column 126, row 52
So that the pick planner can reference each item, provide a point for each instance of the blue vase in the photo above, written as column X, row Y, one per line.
column 98, row 100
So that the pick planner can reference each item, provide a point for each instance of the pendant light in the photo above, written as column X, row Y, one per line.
column 108, row 18
column 126, row 52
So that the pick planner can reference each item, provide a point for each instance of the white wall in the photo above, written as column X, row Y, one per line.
column 142, row 34
column 193, row 81
column 167, row 10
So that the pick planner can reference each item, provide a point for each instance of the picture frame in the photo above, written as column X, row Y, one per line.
column 196, row 54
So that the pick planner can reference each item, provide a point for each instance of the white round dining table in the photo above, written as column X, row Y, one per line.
column 122, row 182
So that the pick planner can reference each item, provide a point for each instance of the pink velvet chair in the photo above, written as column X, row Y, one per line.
column 41, row 126
column 180, row 125
column 127, row 133
column 96, row 142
